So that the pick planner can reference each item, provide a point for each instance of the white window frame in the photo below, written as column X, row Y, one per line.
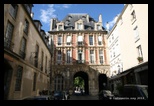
column 92, row 39
column 92, row 56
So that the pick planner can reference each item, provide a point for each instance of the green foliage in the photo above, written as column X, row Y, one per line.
column 78, row 81
column 140, row 58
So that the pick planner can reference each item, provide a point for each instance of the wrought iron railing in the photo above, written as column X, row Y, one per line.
column 80, row 61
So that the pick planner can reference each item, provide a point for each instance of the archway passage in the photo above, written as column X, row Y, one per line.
column 102, row 82
column 84, row 76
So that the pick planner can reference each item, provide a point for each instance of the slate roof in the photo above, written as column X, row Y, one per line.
column 75, row 17
column 70, row 19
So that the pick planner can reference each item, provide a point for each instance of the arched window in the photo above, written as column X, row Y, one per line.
column 59, row 83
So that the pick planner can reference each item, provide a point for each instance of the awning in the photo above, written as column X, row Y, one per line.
column 119, row 75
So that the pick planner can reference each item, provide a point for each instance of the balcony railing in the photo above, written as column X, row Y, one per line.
column 80, row 61
column 8, row 44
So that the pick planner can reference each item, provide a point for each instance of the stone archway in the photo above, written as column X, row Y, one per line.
column 83, row 75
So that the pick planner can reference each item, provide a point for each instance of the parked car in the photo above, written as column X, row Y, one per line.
column 140, row 92
column 42, row 97
column 58, row 95
column 105, row 95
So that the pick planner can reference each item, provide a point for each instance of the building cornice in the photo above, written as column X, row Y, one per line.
column 78, row 31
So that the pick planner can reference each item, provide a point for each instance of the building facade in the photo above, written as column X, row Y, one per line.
column 27, row 53
column 80, row 49
column 128, row 46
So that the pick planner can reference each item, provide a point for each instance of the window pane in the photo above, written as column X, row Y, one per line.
column 26, row 26
column 91, row 40
column 8, row 35
column 19, row 78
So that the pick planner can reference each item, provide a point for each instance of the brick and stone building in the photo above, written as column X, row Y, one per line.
column 80, row 49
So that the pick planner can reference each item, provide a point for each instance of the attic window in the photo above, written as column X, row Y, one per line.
column 69, row 17
column 83, row 17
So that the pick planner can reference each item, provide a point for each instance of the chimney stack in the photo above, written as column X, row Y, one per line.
column 87, row 18
column 107, row 26
column 51, row 24
column 100, row 18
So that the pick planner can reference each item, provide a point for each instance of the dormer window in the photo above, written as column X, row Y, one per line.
column 60, row 27
column 69, row 17
column 83, row 17
column 79, row 26
column 98, row 27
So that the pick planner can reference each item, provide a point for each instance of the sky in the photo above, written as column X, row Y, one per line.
column 44, row 12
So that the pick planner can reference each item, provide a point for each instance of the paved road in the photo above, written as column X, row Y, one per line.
column 86, row 97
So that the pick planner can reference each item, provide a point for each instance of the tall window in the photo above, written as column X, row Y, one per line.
column 18, row 78
column 46, row 64
column 59, row 40
column 80, row 40
column 36, row 56
column 80, row 59
column 34, row 81
column 68, row 40
column 91, row 39
column 59, row 83
column 68, row 56
column 22, row 48
column 99, row 40
column 26, row 25
column 59, row 57
column 13, row 10
column 42, row 61
column 8, row 35
column 139, row 49
column 91, row 56
column 133, row 16
column 136, row 33
column 101, row 56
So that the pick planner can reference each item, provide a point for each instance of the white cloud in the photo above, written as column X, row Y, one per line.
column 46, row 15
column 66, row 5
column 111, row 23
